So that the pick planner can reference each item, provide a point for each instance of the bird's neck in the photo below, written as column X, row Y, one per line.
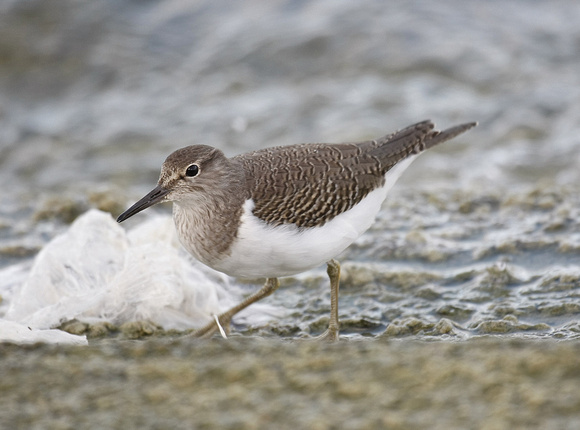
column 207, row 227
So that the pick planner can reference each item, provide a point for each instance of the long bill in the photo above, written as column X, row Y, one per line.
column 156, row 195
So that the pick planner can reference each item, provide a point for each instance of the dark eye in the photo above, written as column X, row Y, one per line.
column 192, row 170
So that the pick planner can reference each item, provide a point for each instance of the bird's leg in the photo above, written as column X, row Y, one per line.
column 333, row 270
column 209, row 329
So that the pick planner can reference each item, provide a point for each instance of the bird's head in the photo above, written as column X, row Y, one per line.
column 187, row 176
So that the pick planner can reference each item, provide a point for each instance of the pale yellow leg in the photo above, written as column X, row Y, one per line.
column 209, row 329
column 333, row 270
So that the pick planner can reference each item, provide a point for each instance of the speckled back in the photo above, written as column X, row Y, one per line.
column 309, row 184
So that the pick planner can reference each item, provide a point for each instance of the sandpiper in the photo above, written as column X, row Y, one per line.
column 283, row 210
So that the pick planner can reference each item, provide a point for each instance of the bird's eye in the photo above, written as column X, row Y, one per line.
column 192, row 170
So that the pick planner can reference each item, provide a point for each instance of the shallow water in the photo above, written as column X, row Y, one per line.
column 480, row 236
column 468, row 283
column 459, row 264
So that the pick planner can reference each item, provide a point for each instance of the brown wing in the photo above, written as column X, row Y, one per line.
column 309, row 184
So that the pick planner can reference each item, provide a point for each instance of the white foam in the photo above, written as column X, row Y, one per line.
column 96, row 271
column 18, row 333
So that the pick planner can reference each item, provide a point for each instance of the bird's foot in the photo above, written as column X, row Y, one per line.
column 220, row 324
column 330, row 335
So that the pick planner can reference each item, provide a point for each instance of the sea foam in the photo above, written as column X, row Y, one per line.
column 97, row 271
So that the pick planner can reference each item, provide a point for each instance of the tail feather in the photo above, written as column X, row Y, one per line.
column 392, row 148
column 450, row 133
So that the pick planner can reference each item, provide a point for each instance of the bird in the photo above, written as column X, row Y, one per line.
column 283, row 210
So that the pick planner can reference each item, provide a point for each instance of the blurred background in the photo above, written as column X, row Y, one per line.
column 94, row 96
column 100, row 92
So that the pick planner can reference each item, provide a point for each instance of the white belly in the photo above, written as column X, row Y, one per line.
column 261, row 251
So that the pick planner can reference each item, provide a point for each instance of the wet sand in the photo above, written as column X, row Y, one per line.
column 254, row 383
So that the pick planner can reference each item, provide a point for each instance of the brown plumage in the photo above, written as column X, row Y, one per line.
column 309, row 184
column 282, row 210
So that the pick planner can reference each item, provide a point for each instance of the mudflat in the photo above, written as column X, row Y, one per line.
column 251, row 383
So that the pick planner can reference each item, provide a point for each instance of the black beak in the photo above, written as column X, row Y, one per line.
column 155, row 196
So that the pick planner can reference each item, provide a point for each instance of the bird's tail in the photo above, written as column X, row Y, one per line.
column 414, row 139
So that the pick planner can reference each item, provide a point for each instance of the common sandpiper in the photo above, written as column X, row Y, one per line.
column 283, row 210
